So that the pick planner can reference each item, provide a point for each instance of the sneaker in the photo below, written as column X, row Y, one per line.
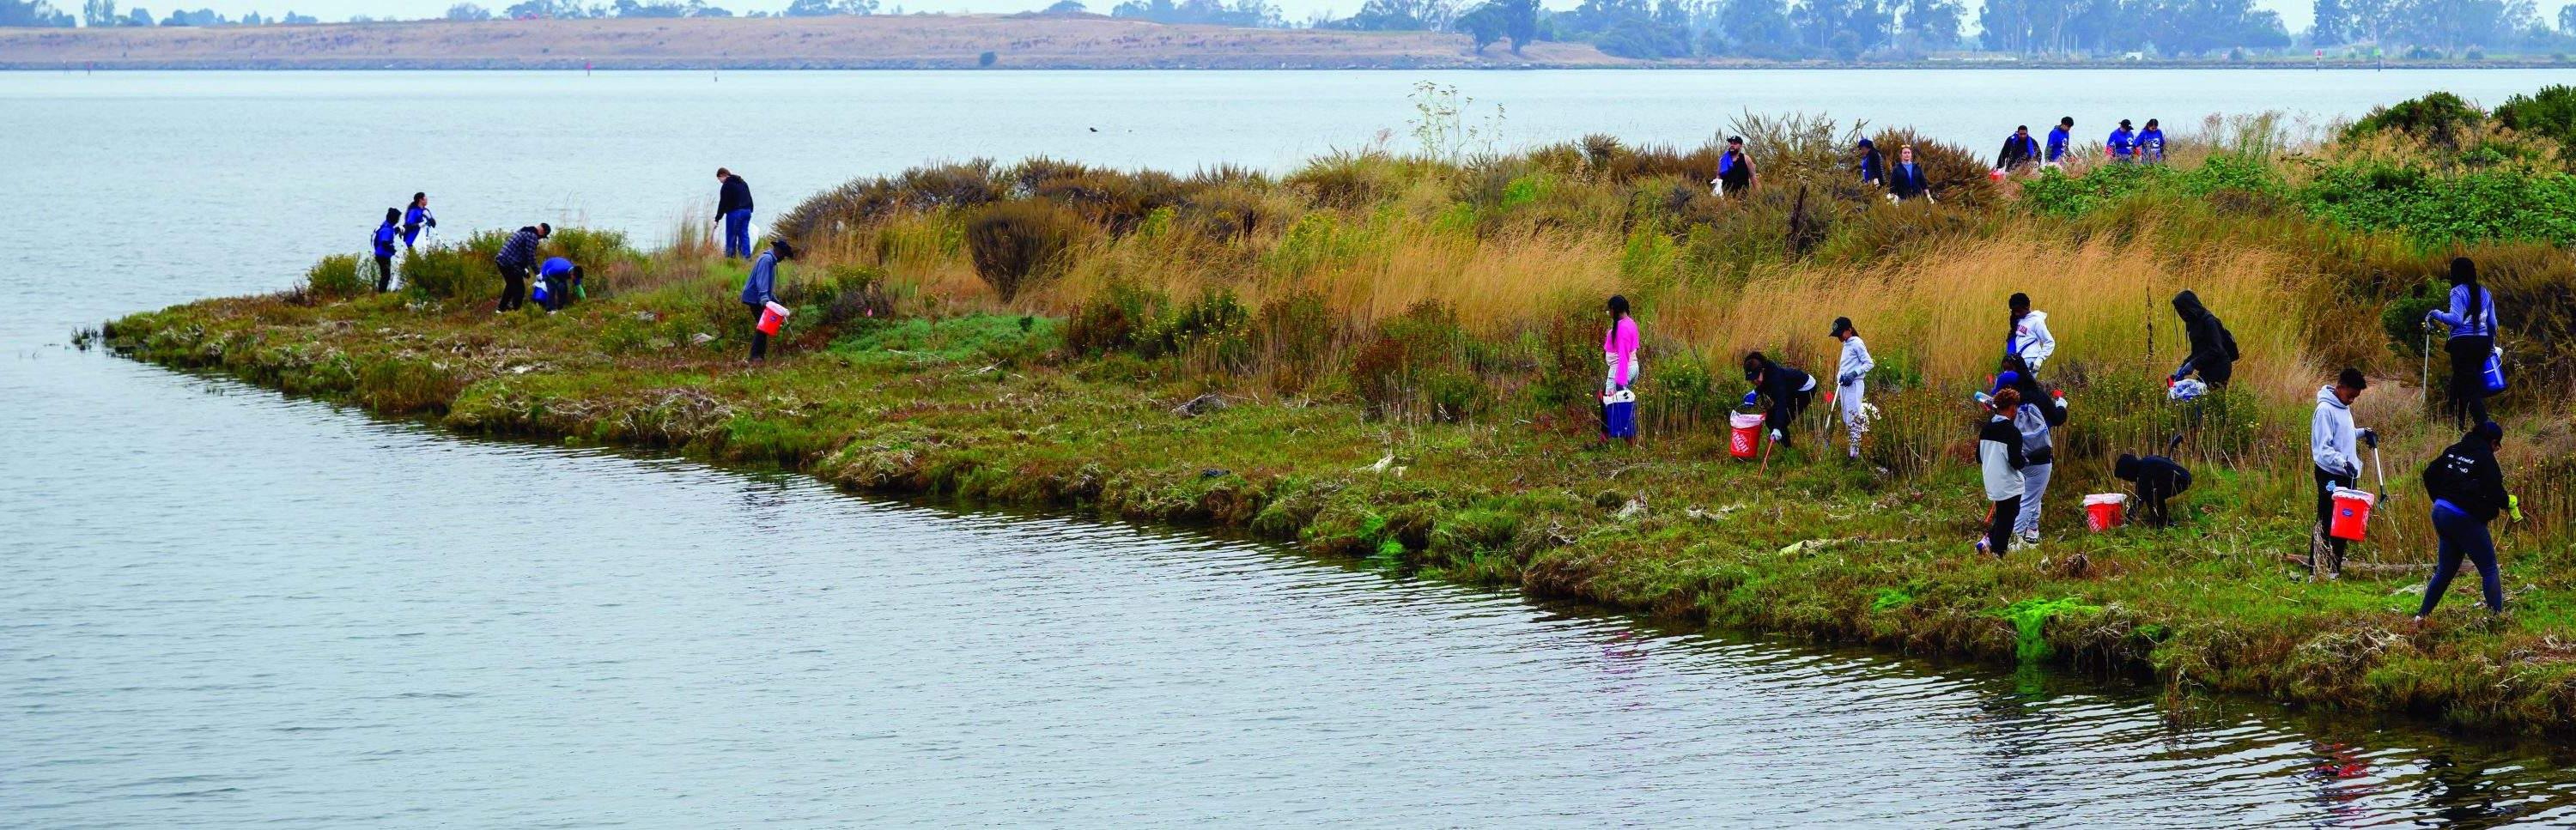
column 2031, row 538
column 1981, row 546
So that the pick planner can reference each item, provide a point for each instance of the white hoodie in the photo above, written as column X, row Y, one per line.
column 2031, row 339
column 2331, row 437
column 1856, row 363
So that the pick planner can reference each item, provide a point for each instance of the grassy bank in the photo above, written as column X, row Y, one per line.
column 1403, row 346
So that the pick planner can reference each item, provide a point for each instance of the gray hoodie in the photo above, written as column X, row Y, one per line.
column 2331, row 437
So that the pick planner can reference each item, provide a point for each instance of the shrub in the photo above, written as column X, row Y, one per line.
column 1113, row 321
column 1225, row 213
column 337, row 276
column 2440, row 118
column 1293, row 334
column 2551, row 112
column 462, row 271
column 1014, row 244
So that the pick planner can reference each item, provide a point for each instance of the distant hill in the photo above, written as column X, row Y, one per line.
column 871, row 42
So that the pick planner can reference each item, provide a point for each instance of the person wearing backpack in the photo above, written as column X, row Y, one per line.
column 2038, row 414
column 2000, row 459
column 384, row 242
column 2472, row 321
column 2157, row 478
column 2213, row 347
column 2334, row 444
column 2467, row 488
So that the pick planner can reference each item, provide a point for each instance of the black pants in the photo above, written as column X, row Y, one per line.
column 384, row 274
column 1785, row 412
column 2326, row 484
column 2469, row 378
column 1999, row 530
column 514, row 286
column 2217, row 374
column 759, row 339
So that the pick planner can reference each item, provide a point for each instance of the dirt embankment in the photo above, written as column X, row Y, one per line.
column 875, row 42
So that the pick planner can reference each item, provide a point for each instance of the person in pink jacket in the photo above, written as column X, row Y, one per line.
column 1619, row 350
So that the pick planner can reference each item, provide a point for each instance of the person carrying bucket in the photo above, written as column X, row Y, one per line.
column 1619, row 350
column 1789, row 390
column 1851, row 382
column 558, row 276
column 2472, row 321
column 2467, row 489
column 517, row 258
column 1999, row 456
column 2157, row 478
column 759, row 293
column 384, row 250
column 415, row 218
column 2028, row 337
column 2213, row 347
column 733, row 210
column 2060, row 140
column 2334, row 444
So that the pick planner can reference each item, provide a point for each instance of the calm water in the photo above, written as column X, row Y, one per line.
column 224, row 608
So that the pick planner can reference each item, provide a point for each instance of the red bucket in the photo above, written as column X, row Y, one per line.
column 771, row 316
column 1744, row 438
column 2103, row 511
column 2351, row 514
column 1995, row 175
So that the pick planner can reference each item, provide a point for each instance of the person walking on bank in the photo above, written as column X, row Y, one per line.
column 1873, row 170
column 2034, row 418
column 1789, row 389
column 733, row 208
column 2020, row 150
column 1619, row 350
column 2472, row 321
column 2060, row 140
column 1851, row 382
column 761, row 288
column 2029, row 338
column 2123, row 143
column 2157, row 478
column 2334, row 444
column 517, row 259
column 2151, row 143
column 385, row 235
column 2467, row 487
column 1906, row 180
column 1735, row 173
column 415, row 218
column 1999, row 456
column 2213, row 347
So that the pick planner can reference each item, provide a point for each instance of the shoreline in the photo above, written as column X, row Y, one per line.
column 1247, row 64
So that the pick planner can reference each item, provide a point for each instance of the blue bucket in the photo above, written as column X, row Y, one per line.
column 1619, row 414
column 2493, row 374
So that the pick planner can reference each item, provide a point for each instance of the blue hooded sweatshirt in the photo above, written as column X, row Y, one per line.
column 555, row 267
column 385, row 234
column 757, row 290
column 2057, row 143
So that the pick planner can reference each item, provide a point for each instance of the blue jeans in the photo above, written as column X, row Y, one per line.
column 2462, row 535
column 737, row 224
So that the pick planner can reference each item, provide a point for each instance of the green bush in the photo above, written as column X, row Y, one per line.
column 337, row 276
column 2437, row 209
column 2440, row 118
column 2551, row 112
column 456, row 271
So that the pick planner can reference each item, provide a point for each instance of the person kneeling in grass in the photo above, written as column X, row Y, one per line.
column 1999, row 455
column 2467, row 487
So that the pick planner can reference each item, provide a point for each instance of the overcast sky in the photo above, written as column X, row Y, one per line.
column 2294, row 12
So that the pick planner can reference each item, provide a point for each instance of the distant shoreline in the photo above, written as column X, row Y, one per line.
column 916, row 42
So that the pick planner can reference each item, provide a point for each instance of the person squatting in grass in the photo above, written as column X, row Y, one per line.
column 2333, row 443
column 561, row 279
column 2039, row 414
column 1619, row 351
column 1851, row 382
column 733, row 210
column 2028, row 337
column 518, row 257
column 415, row 218
column 1999, row 456
column 759, row 289
column 2467, row 489
column 384, row 250
column 2472, row 321
column 1789, row 390
column 2157, row 478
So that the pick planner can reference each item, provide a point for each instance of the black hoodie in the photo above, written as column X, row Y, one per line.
column 2468, row 477
column 1778, row 382
column 2213, row 348
column 733, row 196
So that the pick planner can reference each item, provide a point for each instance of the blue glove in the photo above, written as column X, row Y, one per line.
column 1751, row 398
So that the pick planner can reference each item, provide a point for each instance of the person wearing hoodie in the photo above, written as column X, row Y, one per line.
column 1999, row 456
column 2029, row 338
column 1851, row 381
column 517, row 259
column 560, row 277
column 2060, row 140
column 1619, row 350
column 2020, row 149
column 1789, row 389
column 384, row 241
column 2467, row 488
column 2037, row 414
column 760, row 288
column 2151, row 143
column 1873, row 170
column 2334, row 445
column 1735, row 173
column 1906, row 180
column 2157, row 478
column 2472, row 321
column 2123, row 143
column 415, row 218
column 733, row 208
column 2213, row 347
